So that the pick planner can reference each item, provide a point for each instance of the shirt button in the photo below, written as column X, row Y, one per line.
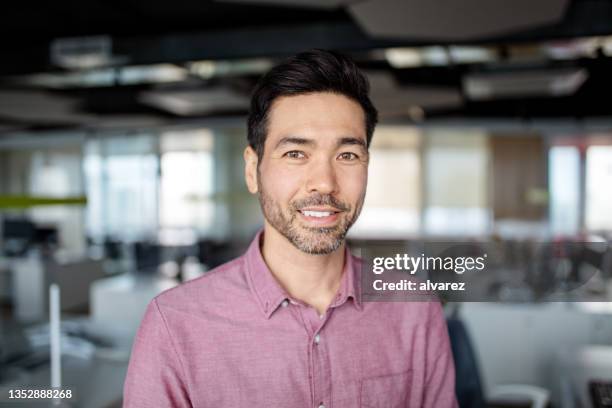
column 321, row 406
column 317, row 339
column 285, row 303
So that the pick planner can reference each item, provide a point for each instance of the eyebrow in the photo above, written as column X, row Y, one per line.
column 294, row 140
column 309, row 142
column 352, row 141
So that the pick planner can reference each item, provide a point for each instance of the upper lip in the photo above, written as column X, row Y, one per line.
column 322, row 209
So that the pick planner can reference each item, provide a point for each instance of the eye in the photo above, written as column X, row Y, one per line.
column 348, row 156
column 295, row 154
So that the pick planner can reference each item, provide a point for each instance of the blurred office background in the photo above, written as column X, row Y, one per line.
column 122, row 126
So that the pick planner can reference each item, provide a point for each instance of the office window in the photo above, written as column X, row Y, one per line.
column 564, row 179
column 456, row 169
column 392, row 203
column 122, row 187
column 187, row 180
column 598, row 191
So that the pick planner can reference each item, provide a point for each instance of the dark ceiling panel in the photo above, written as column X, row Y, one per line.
column 67, row 18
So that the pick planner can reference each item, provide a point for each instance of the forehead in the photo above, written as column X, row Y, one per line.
column 316, row 115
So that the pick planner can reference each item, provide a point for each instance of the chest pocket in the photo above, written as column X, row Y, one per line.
column 387, row 391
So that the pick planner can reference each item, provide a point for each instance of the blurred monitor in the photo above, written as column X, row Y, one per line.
column 47, row 236
column 147, row 256
column 18, row 235
column 18, row 229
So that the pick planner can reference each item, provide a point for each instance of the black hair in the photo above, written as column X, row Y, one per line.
column 310, row 71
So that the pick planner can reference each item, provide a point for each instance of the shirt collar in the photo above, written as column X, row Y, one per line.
column 268, row 292
column 350, row 283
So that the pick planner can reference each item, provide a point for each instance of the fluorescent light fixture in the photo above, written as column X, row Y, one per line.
column 435, row 55
column 190, row 102
column 105, row 77
column 438, row 56
column 158, row 73
column 404, row 57
column 471, row 55
column 572, row 49
column 84, row 79
column 518, row 84
column 84, row 52
column 416, row 57
column 412, row 57
column 208, row 69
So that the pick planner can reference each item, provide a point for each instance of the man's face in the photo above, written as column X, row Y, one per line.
column 313, row 174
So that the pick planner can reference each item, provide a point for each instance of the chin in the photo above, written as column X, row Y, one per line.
column 317, row 241
column 319, row 249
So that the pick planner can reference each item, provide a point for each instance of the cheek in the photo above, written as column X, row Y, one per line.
column 280, row 183
column 353, row 183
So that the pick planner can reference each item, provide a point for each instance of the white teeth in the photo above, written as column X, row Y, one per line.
column 316, row 213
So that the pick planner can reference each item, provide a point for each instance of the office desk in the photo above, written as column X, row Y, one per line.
column 581, row 366
column 96, row 382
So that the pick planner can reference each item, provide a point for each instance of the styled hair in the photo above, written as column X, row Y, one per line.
column 308, row 72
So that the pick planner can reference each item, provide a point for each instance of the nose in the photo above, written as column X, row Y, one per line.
column 321, row 177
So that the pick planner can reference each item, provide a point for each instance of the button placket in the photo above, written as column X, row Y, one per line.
column 321, row 369
column 319, row 358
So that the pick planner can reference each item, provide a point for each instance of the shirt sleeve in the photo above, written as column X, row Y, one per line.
column 155, row 375
column 440, row 370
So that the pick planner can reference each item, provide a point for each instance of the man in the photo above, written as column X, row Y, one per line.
column 284, row 324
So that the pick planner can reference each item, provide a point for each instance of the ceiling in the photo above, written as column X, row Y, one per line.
column 99, row 64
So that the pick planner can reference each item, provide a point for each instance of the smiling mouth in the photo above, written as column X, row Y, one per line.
column 318, row 213
column 320, row 217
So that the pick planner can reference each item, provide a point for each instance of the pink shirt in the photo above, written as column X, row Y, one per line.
column 234, row 338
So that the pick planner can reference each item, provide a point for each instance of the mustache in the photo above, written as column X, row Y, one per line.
column 321, row 199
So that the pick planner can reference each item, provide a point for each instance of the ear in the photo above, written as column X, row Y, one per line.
column 250, row 169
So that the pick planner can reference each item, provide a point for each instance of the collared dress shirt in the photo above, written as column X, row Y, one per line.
column 235, row 338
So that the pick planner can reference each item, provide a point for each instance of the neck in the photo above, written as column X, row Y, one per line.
column 313, row 279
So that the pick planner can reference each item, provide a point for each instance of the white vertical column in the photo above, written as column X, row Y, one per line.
column 54, row 328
